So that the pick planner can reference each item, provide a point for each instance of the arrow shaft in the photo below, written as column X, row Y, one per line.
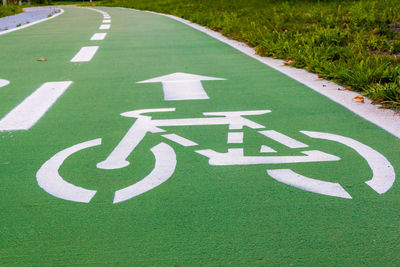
column 183, row 90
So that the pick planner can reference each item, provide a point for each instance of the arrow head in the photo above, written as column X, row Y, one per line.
column 180, row 77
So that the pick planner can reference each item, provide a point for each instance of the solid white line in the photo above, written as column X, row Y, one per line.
column 3, row 82
column 85, row 54
column 283, row 139
column 235, row 137
column 289, row 177
column 98, row 36
column 29, row 111
column 33, row 23
column 179, row 139
column 104, row 26
column 107, row 21
column 384, row 118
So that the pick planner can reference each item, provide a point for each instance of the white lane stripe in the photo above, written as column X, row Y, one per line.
column 107, row 21
column 3, row 82
column 98, row 36
column 179, row 139
column 104, row 26
column 289, row 177
column 283, row 139
column 266, row 149
column 235, row 137
column 85, row 54
column 29, row 111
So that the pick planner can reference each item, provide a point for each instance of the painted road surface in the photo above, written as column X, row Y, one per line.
column 143, row 142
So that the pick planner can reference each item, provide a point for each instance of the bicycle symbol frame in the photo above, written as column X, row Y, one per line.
column 51, row 181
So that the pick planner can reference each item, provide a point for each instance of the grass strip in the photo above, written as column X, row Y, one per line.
column 10, row 10
column 355, row 43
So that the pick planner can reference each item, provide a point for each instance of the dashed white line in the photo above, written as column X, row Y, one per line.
column 105, row 26
column 98, row 36
column 85, row 54
column 29, row 111
column 107, row 21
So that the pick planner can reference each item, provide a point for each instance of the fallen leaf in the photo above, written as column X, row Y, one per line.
column 359, row 99
column 349, row 88
column 42, row 59
column 320, row 76
column 289, row 62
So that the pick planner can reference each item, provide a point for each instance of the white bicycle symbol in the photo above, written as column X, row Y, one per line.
column 49, row 179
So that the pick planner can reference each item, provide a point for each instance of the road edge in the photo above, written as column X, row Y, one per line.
column 383, row 118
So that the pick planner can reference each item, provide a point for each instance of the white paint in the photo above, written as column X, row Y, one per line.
column 266, row 149
column 144, row 125
column 29, row 111
column 4, row 82
column 383, row 172
column 182, row 86
column 33, row 23
column 163, row 170
column 98, row 36
column 179, row 139
column 107, row 17
column 289, row 177
column 235, row 137
column 50, row 180
column 107, row 21
column 104, row 26
column 384, row 118
column 283, row 139
column 235, row 156
column 85, row 54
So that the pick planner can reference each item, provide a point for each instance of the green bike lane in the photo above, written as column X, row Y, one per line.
column 203, row 215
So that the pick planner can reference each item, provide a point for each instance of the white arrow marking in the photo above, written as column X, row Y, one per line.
column 182, row 86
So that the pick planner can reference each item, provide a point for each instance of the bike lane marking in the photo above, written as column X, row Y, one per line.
column 98, row 36
column 384, row 118
column 182, row 86
column 289, row 177
column 30, row 110
column 104, row 27
column 4, row 82
column 238, row 204
column 283, row 139
column 85, row 54
column 179, row 140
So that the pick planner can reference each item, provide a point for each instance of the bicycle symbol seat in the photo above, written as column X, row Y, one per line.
column 50, row 180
